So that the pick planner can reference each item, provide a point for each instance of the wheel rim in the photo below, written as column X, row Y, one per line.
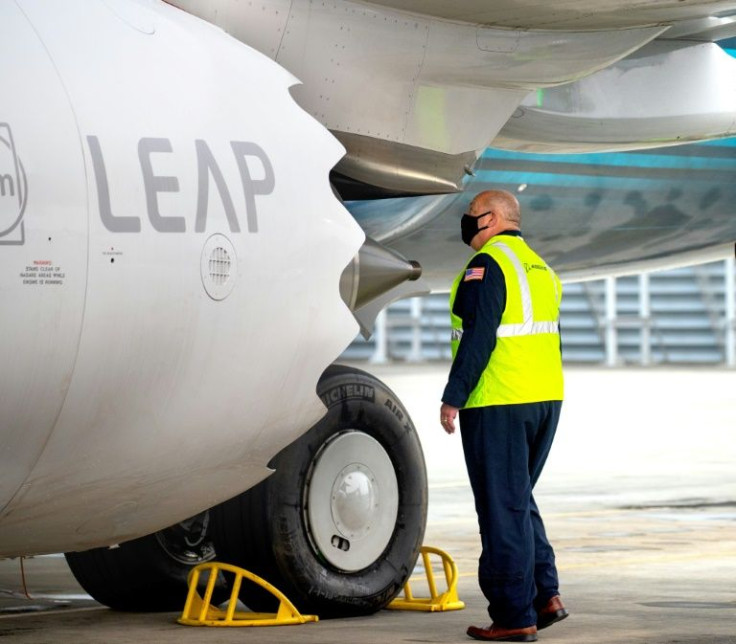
column 352, row 501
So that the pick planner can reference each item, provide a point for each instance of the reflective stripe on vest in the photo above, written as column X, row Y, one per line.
column 528, row 326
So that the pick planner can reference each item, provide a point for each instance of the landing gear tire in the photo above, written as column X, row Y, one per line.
column 339, row 525
column 146, row 574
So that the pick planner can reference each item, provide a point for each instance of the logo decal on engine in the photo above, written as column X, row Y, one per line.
column 246, row 155
column 13, row 190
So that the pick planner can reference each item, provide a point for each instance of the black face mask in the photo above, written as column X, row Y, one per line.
column 469, row 226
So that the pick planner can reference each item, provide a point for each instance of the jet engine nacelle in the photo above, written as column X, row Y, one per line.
column 171, row 253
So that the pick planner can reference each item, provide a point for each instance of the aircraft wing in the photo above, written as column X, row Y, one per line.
column 415, row 89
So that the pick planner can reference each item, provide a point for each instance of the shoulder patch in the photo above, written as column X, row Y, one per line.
column 477, row 273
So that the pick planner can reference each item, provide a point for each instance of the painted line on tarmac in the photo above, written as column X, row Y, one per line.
column 727, row 554
column 547, row 515
column 651, row 560
column 54, row 611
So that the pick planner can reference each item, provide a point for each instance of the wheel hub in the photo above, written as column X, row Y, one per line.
column 352, row 501
column 188, row 542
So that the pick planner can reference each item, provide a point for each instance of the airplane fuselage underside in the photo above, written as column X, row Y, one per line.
column 590, row 215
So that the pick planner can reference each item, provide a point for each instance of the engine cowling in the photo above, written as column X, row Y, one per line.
column 171, row 253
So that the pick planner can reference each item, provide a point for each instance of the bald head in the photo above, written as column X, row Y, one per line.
column 494, row 211
column 502, row 203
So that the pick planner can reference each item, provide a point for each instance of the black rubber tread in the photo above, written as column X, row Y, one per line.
column 263, row 529
column 136, row 576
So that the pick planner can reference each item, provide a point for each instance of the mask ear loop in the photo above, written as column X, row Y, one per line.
column 483, row 214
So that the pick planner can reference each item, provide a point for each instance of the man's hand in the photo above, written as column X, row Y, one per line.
column 448, row 413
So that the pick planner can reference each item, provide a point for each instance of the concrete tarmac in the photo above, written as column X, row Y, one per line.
column 639, row 500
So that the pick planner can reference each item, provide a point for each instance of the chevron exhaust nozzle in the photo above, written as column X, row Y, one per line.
column 374, row 271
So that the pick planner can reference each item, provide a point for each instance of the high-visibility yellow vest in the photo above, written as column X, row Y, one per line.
column 526, row 364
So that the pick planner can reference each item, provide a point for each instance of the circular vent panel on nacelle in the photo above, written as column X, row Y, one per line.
column 219, row 267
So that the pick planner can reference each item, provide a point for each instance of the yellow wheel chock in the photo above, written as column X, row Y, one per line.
column 198, row 611
column 434, row 603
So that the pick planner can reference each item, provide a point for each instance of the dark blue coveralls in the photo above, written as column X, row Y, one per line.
column 505, row 449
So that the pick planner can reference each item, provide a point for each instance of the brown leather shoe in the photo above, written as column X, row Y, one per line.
column 553, row 612
column 498, row 634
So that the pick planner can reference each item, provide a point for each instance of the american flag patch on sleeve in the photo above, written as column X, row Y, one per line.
column 474, row 274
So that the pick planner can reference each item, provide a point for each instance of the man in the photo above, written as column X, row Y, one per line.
column 506, row 384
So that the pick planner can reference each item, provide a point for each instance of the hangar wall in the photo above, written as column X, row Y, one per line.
column 676, row 317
